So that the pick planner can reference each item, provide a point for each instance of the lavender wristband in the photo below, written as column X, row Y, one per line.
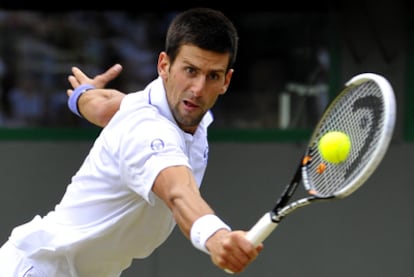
column 74, row 97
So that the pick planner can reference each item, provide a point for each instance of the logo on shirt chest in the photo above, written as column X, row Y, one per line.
column 205, row 155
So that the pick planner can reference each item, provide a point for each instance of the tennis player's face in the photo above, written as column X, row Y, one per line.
column 193, row 83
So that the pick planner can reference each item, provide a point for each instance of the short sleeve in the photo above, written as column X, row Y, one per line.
column 148, row 147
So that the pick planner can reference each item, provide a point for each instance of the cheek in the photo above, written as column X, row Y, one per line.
column 178, row 81
column 211, row 100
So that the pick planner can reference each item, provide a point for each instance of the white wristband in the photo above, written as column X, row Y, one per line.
column 203, row 228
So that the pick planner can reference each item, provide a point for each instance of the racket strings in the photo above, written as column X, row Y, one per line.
column 359, row 112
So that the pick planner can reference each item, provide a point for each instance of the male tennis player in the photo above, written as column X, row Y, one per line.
column 143, row 173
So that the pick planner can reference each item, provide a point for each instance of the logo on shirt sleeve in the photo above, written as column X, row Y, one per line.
column 157, row 144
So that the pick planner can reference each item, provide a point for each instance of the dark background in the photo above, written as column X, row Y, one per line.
column 368, row 234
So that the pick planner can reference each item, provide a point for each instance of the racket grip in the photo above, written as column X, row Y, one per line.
column 262, row 229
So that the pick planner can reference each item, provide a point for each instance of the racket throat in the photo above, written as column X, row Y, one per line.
column 278, row 214
column 276, row 217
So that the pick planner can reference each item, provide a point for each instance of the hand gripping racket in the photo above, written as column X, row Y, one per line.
column 366, row 111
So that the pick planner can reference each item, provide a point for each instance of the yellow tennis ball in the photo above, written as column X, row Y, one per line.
column 334, row 146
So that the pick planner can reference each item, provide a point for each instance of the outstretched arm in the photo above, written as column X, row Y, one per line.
column 227, row 249
column 89, row 97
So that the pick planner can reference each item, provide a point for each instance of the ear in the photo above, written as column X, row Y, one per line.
column 227, row 81
column 163, row 65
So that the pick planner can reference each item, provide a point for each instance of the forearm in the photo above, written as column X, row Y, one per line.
column 195, row 218
column 89, row 99
column 177, row 187
column 187, row 209
column 227, row 249
column 98, row 106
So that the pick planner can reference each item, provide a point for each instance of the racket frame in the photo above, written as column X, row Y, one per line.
column 271, row 219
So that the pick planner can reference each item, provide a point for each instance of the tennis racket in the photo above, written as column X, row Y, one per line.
column 366, row 111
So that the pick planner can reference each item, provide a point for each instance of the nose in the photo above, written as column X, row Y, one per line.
column 198, row 86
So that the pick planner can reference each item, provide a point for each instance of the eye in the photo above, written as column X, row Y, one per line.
column 214, row 76
column 190, row 70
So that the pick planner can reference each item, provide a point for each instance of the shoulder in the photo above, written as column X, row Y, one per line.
column 134, row 99
column 136, row 114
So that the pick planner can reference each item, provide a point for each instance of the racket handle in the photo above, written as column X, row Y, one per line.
column 262, row 229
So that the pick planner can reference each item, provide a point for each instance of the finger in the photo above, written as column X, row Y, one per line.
column 114, row 70
column 79, row 74
column 73, row 81
column 241, row 257
column 69, row 92
column 80, row 77
column 102, row 79
column 234, row 263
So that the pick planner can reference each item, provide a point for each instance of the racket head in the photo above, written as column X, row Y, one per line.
column 365, row 110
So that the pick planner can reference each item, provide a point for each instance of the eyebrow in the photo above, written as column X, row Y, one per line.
column 198, row 68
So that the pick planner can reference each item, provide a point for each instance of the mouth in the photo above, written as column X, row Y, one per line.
column 190, row 105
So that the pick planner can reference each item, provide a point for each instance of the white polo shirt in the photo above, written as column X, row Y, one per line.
column 109, row 215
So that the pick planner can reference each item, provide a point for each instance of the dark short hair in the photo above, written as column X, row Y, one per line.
column 205, row 28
